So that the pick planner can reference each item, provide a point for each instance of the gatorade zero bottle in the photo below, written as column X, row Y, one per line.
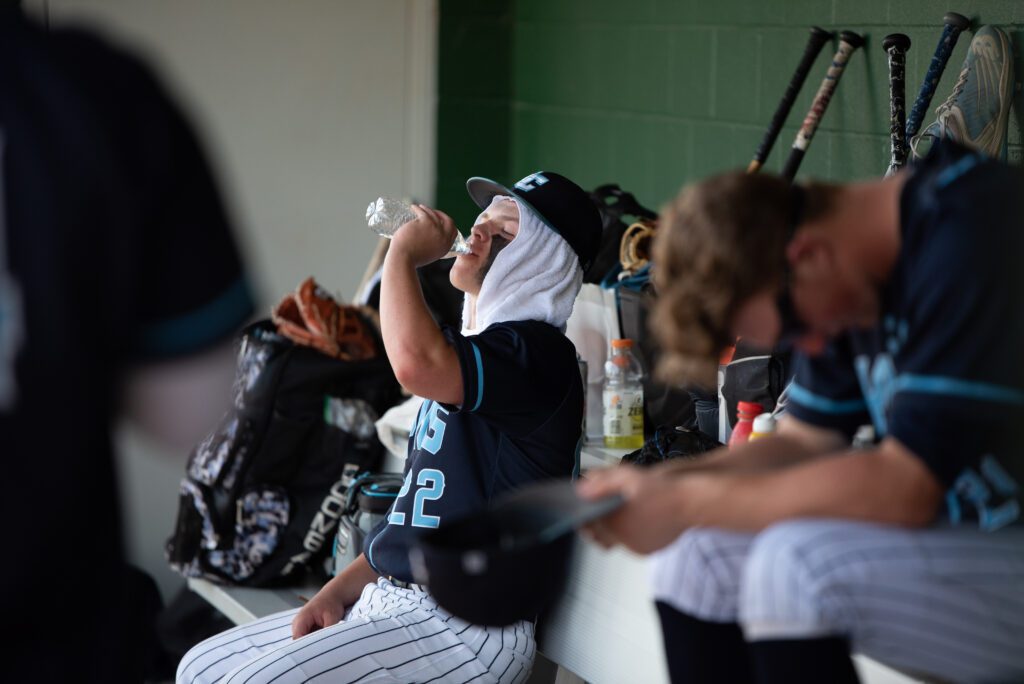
column 623, row 398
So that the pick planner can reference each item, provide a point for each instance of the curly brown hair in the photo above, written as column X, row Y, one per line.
column 720, row 242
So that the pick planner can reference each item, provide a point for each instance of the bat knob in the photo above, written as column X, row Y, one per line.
column 900, row 41
column 853, row 39
column 956, row 20
column 821, row 33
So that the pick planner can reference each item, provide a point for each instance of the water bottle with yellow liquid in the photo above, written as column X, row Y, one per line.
column 623, row 398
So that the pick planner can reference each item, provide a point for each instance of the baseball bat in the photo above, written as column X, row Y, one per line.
column 815, row 42
column 954, row 26
column 896, row 46
column 848, row 42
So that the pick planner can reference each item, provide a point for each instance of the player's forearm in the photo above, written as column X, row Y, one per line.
column 876, row 485
column 346, row 587
column 175, row 400
column 764, row 454
column 411, row 337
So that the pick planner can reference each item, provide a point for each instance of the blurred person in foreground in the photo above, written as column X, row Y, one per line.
column 120, row 288
column 905, row 299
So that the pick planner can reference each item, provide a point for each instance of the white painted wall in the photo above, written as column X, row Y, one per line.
column 309, row 109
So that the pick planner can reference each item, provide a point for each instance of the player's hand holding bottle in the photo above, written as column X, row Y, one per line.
column 426, row 238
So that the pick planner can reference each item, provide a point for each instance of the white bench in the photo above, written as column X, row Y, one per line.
column 604, row 629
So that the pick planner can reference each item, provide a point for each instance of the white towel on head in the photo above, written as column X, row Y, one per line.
column 536, row 277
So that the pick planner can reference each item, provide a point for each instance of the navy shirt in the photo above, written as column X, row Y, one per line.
column 942, row 372
column 114, row 249
column 520, row 421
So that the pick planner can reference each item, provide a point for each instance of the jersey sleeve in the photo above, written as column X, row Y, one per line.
column 958, row 397
column 189, row 288
column 825, row 392
column 511, row 376
column 368, row 540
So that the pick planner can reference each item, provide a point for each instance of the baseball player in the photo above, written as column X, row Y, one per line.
column 777, row 557
column 503, row 407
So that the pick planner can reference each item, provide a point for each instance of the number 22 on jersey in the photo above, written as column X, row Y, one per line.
column 429, row 434
column 431, row 488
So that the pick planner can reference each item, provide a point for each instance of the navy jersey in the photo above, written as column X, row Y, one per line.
column 942, row 372
column 114, row 249
column 520, row 421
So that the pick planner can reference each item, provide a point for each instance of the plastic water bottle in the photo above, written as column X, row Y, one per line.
column 745, row 413
column 623, row 398
column 386, row 215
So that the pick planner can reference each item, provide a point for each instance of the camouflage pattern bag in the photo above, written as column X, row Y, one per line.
column 263, row 492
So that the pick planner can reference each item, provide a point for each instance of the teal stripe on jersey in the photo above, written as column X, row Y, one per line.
column 479, row 377
column 958, row 169
column 816, row 402
column 576, row 462
column 383, row 495
column 964, row 389
column 197, row 328
column 369, row 551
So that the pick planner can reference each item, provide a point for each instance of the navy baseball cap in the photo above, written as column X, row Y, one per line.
column 509, row 561
column 563, row 206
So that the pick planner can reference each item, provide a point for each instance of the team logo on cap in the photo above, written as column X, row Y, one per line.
column 531, row 182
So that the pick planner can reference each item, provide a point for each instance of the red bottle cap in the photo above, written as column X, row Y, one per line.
column 750, row 407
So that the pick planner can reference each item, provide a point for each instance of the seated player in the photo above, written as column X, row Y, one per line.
column 778, row 557
column 503, row 407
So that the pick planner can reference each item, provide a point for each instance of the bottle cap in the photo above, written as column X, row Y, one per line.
column 622, row 344
column 749, row 407
column 764, row 423
column 865, row 436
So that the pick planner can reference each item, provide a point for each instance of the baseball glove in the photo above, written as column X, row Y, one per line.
column 310, row 316
column 635, row 248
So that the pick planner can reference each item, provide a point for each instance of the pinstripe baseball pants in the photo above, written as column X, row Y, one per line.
column 943, row 601
column 390, row 635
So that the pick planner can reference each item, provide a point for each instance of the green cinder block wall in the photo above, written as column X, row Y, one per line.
column 654, row 93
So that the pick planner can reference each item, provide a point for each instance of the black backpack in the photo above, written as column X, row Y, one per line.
column 663, row 404
column 756, row 375
column 263, row 492
column 613, row 204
